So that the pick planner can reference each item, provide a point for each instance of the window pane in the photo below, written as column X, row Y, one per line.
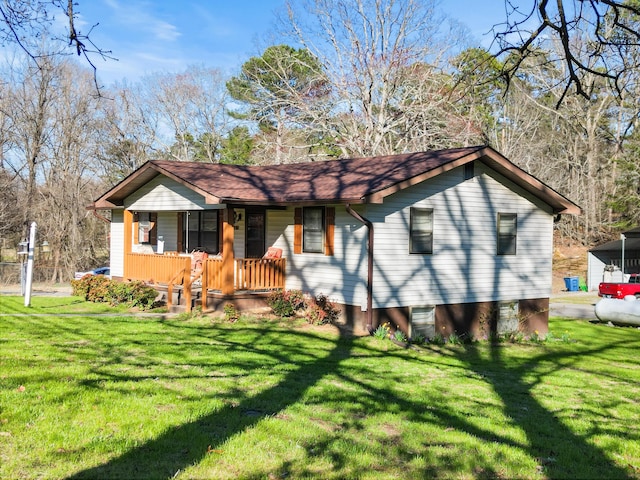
column 507, row 233
column 193, row 221
column 421, row 236
column 144, row 227
column 507, row 224
column 192, row 240
column 422, row 243
column 210, row 221
column 313, row 229
column 423, row 321
column 507, row 317
column 313, row 218
column 209, row 241
column 202, row 231
column 193, row 230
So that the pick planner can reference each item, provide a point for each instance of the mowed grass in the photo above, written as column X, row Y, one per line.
column 63, row 305
column 93, row 396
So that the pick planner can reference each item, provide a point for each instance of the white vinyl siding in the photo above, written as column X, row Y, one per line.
column 166, row 197
column 165, row 194
column 116, row 251
column 342, row 276
column 464, row 266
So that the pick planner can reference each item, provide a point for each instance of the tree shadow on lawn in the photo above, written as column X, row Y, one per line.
column 178, row 447
column 556, row 448
column 560, row 452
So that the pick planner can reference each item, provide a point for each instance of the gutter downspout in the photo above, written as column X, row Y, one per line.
column 369, row 226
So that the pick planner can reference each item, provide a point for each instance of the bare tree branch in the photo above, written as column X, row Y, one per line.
column 612, row 25
column 25, row 22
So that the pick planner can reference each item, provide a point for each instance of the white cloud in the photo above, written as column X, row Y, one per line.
column 137, row 18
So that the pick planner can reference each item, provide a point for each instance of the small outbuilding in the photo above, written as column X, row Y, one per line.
column 604, row 262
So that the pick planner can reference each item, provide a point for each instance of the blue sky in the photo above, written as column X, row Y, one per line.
column 149, row 36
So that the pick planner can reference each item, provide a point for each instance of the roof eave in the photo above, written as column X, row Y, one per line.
column 496, row 161
column 209, row 199
column 559, row 203
column 115, row 197
column 378, row 197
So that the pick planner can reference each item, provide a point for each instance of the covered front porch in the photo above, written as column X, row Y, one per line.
column 191, row 274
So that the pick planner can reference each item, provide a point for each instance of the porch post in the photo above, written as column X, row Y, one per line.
column 128, row 235
column 228, row 261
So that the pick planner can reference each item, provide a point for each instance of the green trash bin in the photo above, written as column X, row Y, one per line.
column 582, row 285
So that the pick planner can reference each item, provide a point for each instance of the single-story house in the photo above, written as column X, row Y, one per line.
column 604, row 262
column 457, row 240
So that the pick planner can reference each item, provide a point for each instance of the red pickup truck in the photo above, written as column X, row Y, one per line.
column 621, row 290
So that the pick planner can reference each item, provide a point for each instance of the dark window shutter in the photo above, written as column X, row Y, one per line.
column 153, row 228
column 180, row 226
column 297, row 231
column 136, row 228
column 330, row 221
column 220, row 230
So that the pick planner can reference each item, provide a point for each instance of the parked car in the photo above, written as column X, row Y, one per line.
column 621, row 289
column 106, row 271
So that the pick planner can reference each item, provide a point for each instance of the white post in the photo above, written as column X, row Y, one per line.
column 623, row 238
column 32, row 243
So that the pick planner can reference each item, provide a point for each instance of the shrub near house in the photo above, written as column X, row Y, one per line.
column 99, row 288
column 317, row 310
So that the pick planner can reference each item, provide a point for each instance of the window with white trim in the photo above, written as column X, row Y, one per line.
column 507, row 233
column 145, row 228
column 421, row 230
column 313, row 229
column 202, row 231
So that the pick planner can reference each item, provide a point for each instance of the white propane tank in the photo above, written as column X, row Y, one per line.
column 619, row 312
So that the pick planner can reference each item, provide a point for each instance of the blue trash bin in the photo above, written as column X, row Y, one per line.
column 572, row 284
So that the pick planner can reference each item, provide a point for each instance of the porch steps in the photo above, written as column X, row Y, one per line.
column 244, row 301
column 178, row 300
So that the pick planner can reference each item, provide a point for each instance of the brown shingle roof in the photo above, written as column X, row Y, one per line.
column 339, row 180
column 356, row 180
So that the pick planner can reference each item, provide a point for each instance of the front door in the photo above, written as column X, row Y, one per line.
column 255, row 227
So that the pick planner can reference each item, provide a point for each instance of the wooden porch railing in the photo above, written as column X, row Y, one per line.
column 212, row 273
column 249, row 274
column 154, row 268
column 259, row 273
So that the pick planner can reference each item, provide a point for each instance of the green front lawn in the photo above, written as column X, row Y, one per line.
column 64, row 305
column 138, row 397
